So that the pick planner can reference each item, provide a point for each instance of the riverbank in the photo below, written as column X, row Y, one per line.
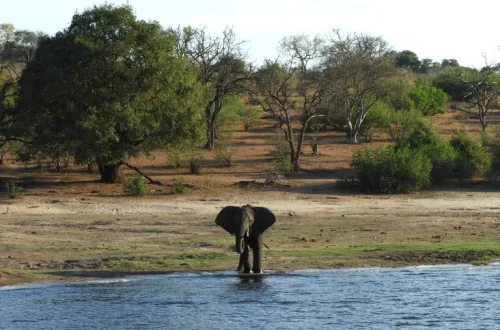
column 60, row 238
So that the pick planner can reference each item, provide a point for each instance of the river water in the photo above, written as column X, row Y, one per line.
column 441, row 297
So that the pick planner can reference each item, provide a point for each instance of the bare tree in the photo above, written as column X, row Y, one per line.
column 360, row 68
column 483, row 91
column 221, row 68
column 293, row 89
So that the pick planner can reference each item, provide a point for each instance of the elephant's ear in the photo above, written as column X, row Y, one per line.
column 264, row 219
column 225, row 219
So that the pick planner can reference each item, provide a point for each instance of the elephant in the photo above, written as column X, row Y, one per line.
column 247, row 223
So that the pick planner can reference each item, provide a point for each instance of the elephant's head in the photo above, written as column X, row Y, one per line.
column 245, row 221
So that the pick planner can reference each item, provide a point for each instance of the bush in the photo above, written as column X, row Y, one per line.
column 194, row 160
column 223, row 154
column 248, row 116
column 391, row 170
column 417, row 134
column 420, row 135
column 178, row 186
column 443, row 159
column 428, row 99
column 472, row 159
column 176, row 157
column 402, row 123
column 137, row 186
column 14, row 190
column 282, row 166
column 377, row 117
column 494, row 170
column 447, row 81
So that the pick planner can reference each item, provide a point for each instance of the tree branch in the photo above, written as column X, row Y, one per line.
column 142, row 173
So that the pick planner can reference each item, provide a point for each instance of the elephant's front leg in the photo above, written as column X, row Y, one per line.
column 257, row 255
column 244, row 265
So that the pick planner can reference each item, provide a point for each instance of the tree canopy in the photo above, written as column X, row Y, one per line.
column 106, row 88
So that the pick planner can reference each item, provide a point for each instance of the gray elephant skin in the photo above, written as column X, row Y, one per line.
column 247, row 223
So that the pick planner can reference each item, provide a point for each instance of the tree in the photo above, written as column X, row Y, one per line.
column 428, row 65
column 407, row 59
column 221, row 66
column 447, row 81
column 106, row 88
column 449, row 63
column 483, row 90
column 293, row 90
column 361, row 71
column 17, row 48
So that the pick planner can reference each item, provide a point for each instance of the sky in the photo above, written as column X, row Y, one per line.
column 438, row 29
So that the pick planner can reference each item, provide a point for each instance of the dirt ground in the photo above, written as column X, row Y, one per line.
column 68, row 225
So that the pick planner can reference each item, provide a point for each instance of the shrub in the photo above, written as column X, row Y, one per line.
column 472, row 159
column 283, row 166
column 178, row 186
column 494, row 170
column 377, row 117
column 176, row 157
column 195, row 166
column 428, row 99
column 443, row 159
column 391, row 170
column 447, row 81
column 402, row 123
column 223, row 154
column 248, row 116
column 281, row 147
column 416, row 135
column 194, row 159
column 420, row 135
column 137, row 186
column 14, row 190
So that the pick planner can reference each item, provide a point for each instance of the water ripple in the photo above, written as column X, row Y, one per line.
column 442, row 297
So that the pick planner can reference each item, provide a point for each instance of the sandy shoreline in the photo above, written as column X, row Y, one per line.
column 115, row 233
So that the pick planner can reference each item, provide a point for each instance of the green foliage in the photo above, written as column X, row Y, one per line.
column 137, row 186
column 407, row 59
column 195, row 160
column 14, row 190
column 235, row 110
column 443, row 159
column 416, row 134
column 282, row 166
column 376, row 118
column 176, row 157
column 447, row 81
column 109, row 87
column 494, row 170
column 428, row 99
column 391, row 170
column 472, row 158
column 178, row 186
column 223, row 154
column 402, row 123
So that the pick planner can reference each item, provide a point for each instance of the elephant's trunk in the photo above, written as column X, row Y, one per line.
column 240, row 244
column 240, row 239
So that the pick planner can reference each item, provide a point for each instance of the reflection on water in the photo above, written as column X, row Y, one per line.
column 443, row 297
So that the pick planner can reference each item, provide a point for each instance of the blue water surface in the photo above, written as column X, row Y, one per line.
column 441, row 297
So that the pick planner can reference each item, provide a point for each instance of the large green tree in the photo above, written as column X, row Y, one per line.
column 108, row 87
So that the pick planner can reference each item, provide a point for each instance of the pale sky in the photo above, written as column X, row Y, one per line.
column 436, row 29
